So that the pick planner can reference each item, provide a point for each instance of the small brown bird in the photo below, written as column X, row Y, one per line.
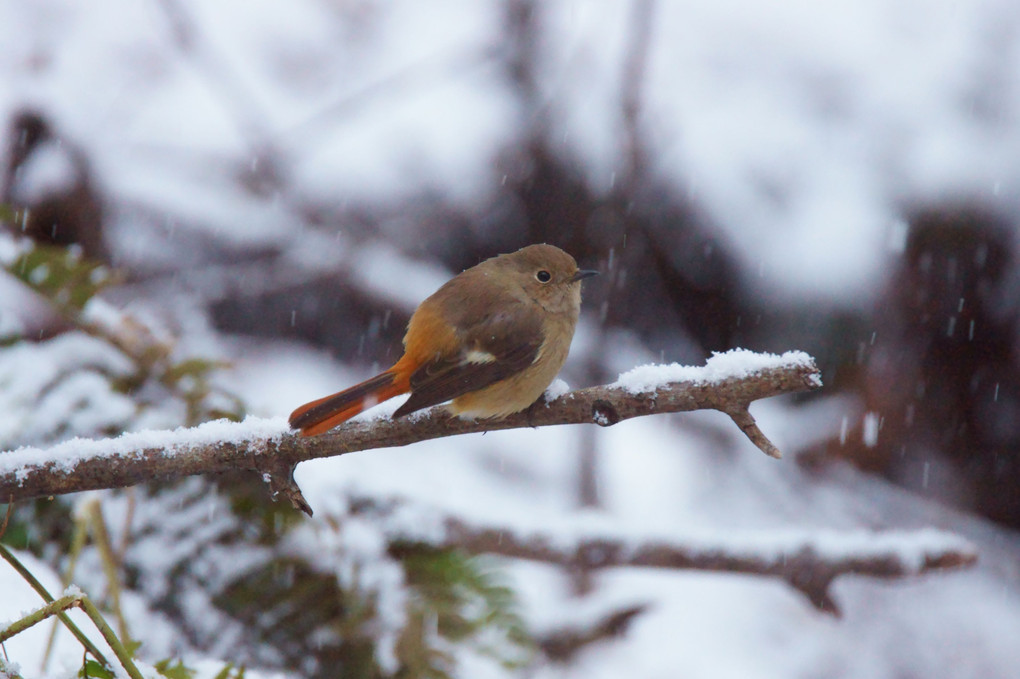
column 491, row 339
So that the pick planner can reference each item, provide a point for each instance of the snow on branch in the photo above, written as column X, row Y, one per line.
column 808, row 561
column 728, row 382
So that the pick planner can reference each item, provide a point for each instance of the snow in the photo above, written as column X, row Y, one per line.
column 799, row 131
column 872, row 424
column 49, row 170
column 11, row 248
column 732, row 364
column 910, row 548
column 66, row 456
column 380, row 269
column 25, row 649
column 655, row 487
column 360, row 562
column 556, row 389
column 65, row 374
column 20, row 599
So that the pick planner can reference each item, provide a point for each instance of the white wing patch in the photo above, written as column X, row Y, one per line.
column 479, row 356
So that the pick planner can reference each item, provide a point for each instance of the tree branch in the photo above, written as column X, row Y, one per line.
column 728, row 383
column 808, row 561
column 799, row 561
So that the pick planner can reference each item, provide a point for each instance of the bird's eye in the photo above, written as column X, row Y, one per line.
column 543, row 276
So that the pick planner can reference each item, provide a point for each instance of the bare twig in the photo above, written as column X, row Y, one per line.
column 562, row 645
column 741, row 417
column 116, row 463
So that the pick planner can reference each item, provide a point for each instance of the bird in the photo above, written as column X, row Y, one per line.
column 490, row 341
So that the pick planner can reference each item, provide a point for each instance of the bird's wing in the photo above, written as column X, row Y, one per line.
column 494, row 348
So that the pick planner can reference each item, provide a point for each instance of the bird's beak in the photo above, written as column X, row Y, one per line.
column 582, row 274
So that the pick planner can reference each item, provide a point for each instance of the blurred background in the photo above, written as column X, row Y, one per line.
column 237, row 205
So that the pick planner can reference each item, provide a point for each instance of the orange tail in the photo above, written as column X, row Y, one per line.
column 325, row 413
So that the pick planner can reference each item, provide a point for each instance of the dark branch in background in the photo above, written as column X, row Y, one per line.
column 562, row 645
column 800, row 563
column 804, row 568
column 276, row 457
column 632, row 83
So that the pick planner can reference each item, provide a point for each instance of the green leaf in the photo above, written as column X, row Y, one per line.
column 467, row 601
column 92, row 669
column 194, row 367
column 60, row 275
column 175, row 671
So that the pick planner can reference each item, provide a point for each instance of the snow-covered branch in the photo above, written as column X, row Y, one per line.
column 728, row 382
column 807, row 560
